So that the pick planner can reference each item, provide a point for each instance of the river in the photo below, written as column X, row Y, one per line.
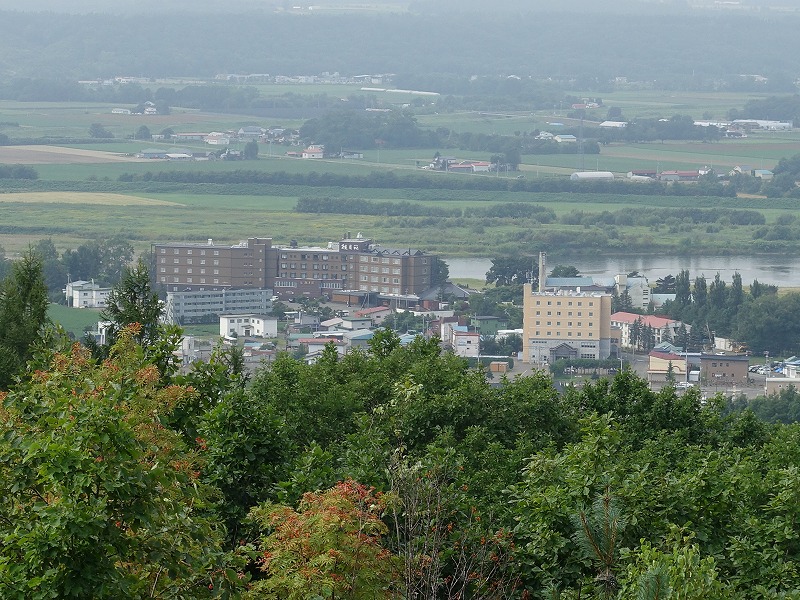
column 783, row 271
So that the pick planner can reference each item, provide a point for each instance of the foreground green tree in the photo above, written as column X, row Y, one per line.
column 100, row 500
column 23, row 312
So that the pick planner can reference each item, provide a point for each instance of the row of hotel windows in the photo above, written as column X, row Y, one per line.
column 569, row 323
column 202, row 271
column 322, row 256
column 328, row 285
column 346, row 257
column 558, row 333
column 176, row 261
column 316, row 276
column 382, row 290
column 202, row 280
column 569, row 303
column 558, row 313
column 188, row 251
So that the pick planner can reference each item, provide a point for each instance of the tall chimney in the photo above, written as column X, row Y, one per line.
column 542, row 270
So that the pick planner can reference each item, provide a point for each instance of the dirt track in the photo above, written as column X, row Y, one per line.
column 56, row 155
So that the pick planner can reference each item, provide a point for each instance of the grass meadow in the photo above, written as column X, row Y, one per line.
column 73, row 320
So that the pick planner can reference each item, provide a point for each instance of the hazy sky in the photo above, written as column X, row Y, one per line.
column 138, row 6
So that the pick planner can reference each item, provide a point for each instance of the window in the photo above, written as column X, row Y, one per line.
column 176, row 251
column 216, row 252
column 189, row 251
column 163, row 251
column 163, row 270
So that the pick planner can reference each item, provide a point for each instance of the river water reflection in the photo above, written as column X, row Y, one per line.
column 783, row 271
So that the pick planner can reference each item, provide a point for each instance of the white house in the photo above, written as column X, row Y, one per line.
column 465, row 343
column 314, row 151
column 86, row 294
column 215, row 138
column 565, row 139
column 248, row 325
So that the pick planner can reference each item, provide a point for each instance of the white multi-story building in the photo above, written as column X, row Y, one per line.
column 465, row 343
column 248, row 325
column 638, row 289
column 86, row 294
column 186, row 307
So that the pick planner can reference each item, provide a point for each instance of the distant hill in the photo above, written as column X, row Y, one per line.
column 693, row 50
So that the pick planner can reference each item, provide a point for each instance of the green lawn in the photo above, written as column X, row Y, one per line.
column 73, row 320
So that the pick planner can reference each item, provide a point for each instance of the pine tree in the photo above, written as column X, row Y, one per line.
column 131, row 301
column 23, row 312
column 597, row 532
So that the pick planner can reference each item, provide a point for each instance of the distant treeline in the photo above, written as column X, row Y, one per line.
column 637, row 217
column 774, row 108
column 357, row 206
column 392, row 180
column 18, row 172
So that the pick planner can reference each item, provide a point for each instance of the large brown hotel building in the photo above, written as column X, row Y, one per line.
column 355, row 264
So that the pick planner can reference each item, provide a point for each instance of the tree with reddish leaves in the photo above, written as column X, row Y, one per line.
column 331, row 547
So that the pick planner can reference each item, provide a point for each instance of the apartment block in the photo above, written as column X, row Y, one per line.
column 565, row 324
column 353, row 263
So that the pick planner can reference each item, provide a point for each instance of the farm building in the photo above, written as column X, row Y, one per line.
column 591, row 175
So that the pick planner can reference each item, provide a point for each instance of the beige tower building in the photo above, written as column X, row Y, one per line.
column 565, row 324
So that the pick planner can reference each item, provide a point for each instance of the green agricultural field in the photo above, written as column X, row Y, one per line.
column 73, row 320
column 151, row 217
column 146, row 212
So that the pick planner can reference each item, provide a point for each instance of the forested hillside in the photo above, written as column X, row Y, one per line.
column 573, row 46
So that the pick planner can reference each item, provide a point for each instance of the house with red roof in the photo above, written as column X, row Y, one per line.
column 663, row 328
